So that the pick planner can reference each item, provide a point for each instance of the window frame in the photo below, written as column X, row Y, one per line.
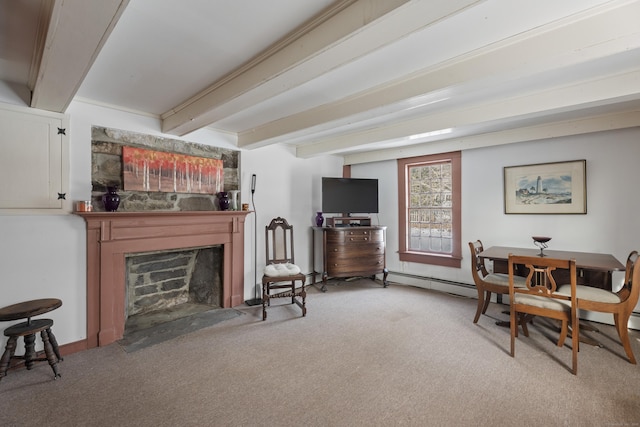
column 434, row 258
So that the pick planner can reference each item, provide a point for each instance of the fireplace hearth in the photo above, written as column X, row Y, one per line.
column 111, row 236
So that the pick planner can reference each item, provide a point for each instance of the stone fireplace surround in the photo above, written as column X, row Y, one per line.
column 112, row 235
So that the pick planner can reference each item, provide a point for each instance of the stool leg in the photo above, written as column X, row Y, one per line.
column 29, row 350
column 54, row 344
column 51, row 357
column 9, row 351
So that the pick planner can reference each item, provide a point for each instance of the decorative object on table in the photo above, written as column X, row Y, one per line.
column 546, row 188
column 111, row 199
column 245, row 206
column 223, row 200
column 319, row 219
column 235, row 206
column 541, row 242
column 84, row 206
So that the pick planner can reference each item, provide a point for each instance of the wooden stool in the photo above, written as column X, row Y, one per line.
column 28, row 330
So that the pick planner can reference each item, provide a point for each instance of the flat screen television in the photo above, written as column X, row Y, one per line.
column 349, row 195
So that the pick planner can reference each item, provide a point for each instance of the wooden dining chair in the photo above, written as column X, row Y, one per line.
column 487, row 283
column 281, row 273
column 542, row 297
column 620, row 303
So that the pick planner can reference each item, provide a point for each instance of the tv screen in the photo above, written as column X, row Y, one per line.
column 349, row 195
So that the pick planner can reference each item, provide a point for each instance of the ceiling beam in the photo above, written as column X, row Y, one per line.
column 581, row 95
column 75, row 32
column 341, row 35
column 595, row 34
column 579, row 126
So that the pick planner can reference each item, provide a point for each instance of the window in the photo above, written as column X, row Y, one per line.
column 429, row 192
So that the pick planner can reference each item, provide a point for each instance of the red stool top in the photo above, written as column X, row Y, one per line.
column 27, row 309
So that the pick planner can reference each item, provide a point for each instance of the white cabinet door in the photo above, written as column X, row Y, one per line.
column 33, row 161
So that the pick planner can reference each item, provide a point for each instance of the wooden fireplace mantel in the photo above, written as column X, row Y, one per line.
column 112, row 235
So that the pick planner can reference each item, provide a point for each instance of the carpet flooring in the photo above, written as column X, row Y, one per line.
column 363, row 356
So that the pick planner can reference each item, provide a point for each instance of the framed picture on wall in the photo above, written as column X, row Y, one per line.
column 546, row 188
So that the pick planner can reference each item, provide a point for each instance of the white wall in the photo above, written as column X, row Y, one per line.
column 610, row 225
column 44, row 255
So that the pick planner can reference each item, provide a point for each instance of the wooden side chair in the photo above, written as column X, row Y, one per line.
column 620, row 304
column 487, row 283
column 281, row 273
column 542, row 297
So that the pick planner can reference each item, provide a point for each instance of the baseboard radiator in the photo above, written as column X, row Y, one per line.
column 469, row 290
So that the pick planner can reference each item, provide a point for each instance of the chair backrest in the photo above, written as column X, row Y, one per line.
column 279, row 242
column 540, row 280
column 630, row 290
column 478, row 268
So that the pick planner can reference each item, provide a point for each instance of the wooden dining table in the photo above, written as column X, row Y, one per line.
column 593, row 269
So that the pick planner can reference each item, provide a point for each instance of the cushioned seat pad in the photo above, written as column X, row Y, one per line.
column 503, row 280
column 592, row 294
column 280, row 270
column 543, row 302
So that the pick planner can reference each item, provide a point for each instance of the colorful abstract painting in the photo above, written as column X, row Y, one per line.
column 148, row 170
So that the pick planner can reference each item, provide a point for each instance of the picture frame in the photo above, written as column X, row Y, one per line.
column 546, row 188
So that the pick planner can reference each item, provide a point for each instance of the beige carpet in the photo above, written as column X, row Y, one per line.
column 363, row 356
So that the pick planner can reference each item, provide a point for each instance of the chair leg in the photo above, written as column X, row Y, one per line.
column 575, row 344
column 487, row 300
column 303, row 294
column 265, row 300
column 29, row 350
column 54, row 344
column 623, row 333
column 9, row 351
column 564, row 330
column 293, row 292
column 523, row 320
column 48, row 351
column 479, row 310
column 513, row 326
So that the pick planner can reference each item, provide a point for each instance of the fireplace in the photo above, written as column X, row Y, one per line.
column 111, row 236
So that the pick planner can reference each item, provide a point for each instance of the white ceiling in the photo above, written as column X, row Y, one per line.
column 356, row 78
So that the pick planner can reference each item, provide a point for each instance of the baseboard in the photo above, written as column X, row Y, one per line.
column 469, row 290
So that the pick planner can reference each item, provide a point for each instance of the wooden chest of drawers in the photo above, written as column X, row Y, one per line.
column 353, row 251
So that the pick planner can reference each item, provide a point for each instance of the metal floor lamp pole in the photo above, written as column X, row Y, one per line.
column 256, row 300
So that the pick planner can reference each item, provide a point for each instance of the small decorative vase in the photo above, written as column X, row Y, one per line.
column 319, row 219
column 223, row 200
column 111, row 199
column 234, row 200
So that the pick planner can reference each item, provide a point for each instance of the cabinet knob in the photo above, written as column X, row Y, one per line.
column 335, row 249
